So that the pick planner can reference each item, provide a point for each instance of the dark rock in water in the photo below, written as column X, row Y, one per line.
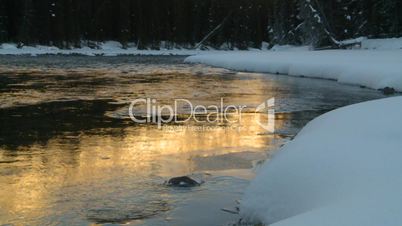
column 184, row 181
column 388, row 91
column 232, row 211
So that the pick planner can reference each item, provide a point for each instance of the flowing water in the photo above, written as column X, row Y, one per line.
column 70, row 155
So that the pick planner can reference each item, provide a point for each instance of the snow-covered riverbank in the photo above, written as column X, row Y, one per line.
column 109, row 48
column 371, row 68
column 376, row 64
column 343, row 168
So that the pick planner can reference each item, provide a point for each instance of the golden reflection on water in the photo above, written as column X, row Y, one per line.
column 41, row 181
column 29, row 185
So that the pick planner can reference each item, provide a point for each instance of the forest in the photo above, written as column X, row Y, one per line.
column 225, row 24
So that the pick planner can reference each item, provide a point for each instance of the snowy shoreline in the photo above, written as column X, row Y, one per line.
column 370, row 68
column 341, row 169
column 376, row 64
column 108, row 48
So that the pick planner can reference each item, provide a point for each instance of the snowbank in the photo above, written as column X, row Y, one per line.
column 107, row 48
column 110, row 48
column 291, row 48
column 343, row 168
column 382, row 44
column 374, row 69
column 8, row 46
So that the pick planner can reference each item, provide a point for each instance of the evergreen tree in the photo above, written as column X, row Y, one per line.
column 26, row 28
column 3, row 22
column 313, row 30
column 285, row 23
column 220, row 23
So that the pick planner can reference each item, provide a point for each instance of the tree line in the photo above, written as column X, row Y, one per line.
column 173, row 23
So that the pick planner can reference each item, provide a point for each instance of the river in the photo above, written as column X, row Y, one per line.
column 71, row 155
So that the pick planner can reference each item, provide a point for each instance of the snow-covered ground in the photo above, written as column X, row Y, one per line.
column 377, row 64
column 382, row 44
column 371, row 68
column 108, row 48
column 343, row 168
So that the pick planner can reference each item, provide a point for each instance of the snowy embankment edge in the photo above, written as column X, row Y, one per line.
column 115, row 48
column 370, row 68
column 108, row 48
column 343, row 168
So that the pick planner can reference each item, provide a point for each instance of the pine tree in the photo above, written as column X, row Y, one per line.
column 66, row 23
column 26, row 31
column 3, row 22
column 311, row 26
column 124, row 21
column 284, row 22
column 390, row 17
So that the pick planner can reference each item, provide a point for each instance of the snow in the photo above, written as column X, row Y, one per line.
column 111, row 45
column 352, row 41
column 382, row 44
column 8, row 46
column 290, row 48
column 343, row 168
column 371, row 68
column 107, row 48
column 114, row 48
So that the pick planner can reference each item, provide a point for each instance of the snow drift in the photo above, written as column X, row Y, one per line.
column 374, row 69
column 108, row 48
column 343, row 168
column 382, row 44
column 111, row 48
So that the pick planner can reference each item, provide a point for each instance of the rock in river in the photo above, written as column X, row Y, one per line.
column 184, row 181
column 388, row 91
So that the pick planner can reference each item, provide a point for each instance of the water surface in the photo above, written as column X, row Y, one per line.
column 70, row 155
